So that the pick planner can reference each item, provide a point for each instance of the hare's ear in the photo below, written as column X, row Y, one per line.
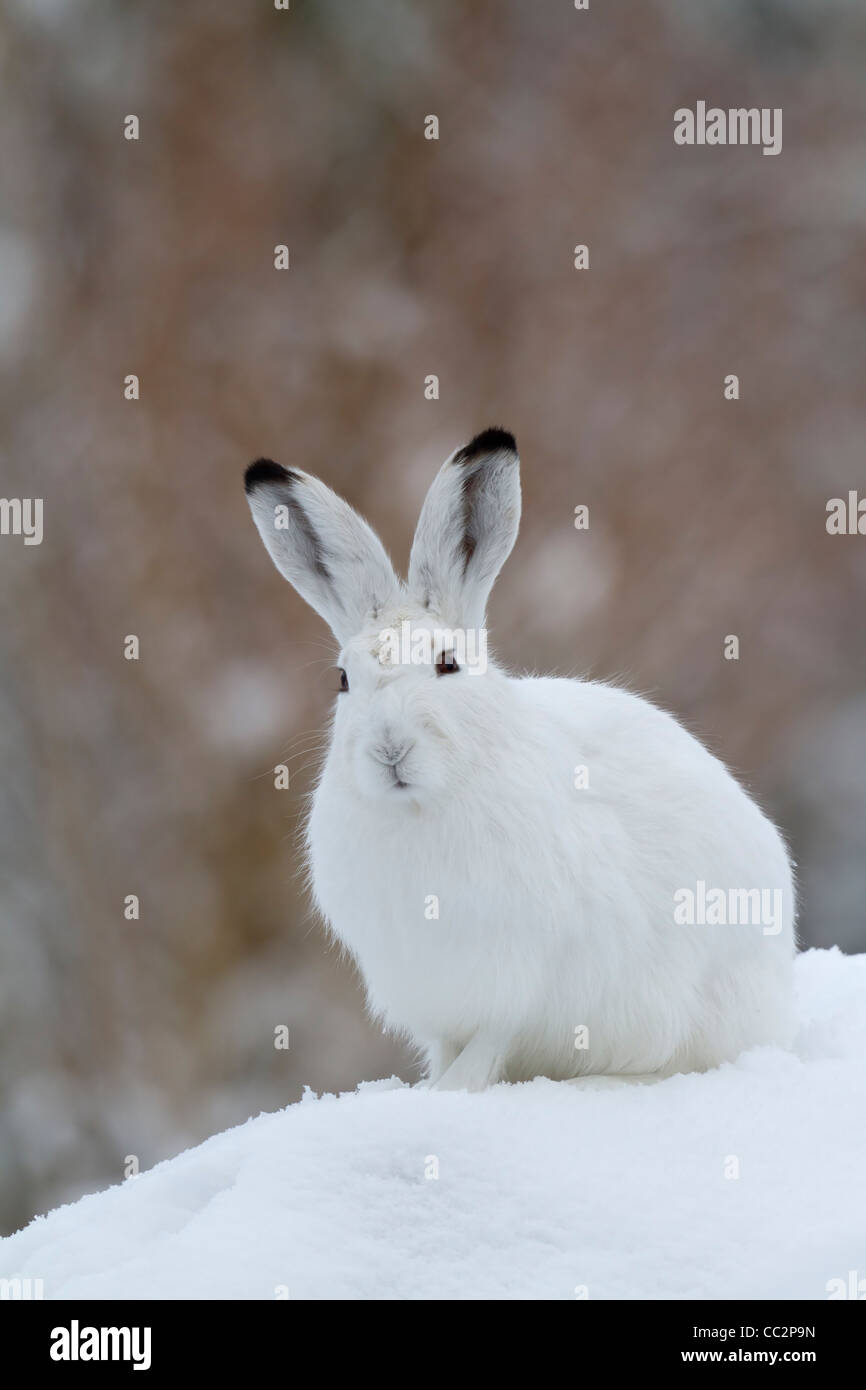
column 467, row 527
column 321, row 546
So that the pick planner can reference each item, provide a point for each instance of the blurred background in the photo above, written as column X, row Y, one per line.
column 409, row 257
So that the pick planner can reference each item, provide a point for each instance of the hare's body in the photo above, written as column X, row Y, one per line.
column 535, row 876
column 556, row 905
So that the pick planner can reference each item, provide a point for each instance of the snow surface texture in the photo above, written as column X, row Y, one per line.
column 546, row 1190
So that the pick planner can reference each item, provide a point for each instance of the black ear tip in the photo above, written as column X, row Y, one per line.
column 264, row 471
column 489, row 441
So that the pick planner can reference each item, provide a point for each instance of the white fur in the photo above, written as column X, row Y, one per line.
column 555, row 904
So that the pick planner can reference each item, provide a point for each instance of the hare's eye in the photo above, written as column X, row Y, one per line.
column 344, row 681
column 446, row 664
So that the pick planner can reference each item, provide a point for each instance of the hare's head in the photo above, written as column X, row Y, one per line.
column 414, row 678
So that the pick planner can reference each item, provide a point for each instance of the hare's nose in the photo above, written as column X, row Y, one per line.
column 392, row 753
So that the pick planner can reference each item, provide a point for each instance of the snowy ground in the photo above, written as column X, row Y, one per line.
column 543, row 1191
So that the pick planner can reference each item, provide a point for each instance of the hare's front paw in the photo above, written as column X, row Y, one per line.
column 479, row 1065
column 440, row 1055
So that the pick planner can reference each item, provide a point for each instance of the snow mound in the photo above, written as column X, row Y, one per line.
column 545, row 1190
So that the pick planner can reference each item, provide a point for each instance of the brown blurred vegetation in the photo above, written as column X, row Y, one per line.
column 408, row 257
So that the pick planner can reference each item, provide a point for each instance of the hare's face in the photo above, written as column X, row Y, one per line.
column 410, row 692
column 418, row 703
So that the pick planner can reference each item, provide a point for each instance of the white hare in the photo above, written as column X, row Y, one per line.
column 535, row 876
